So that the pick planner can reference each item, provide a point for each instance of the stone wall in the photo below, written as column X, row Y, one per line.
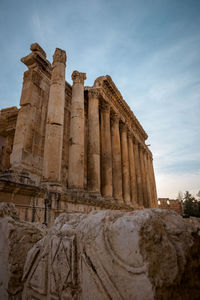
column 166, row 203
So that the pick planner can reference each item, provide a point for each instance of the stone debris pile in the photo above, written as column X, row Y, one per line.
column 141, row 255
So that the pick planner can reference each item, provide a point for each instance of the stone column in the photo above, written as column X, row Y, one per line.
column 116, row 158
column 76, row 145
column 143, row 174
column 25, row 156
column 132, row 168
column 125, row 164
column 94, row 141
column 150, row 180
column 55, row 120
column 106, row 152
column 153, row 183
column 149, row 196
column 138, row 173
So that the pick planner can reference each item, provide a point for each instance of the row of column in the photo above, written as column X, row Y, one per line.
column 118, row 166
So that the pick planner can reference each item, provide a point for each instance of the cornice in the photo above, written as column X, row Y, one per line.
column 37, row 60
column 109, row 88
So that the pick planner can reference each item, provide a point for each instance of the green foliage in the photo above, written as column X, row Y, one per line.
column 191, row 205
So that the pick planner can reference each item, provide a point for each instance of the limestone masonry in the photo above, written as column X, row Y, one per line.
column 72, row 148
column 149, row 254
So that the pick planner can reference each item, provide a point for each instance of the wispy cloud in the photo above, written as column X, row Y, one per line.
column 169, row 185
column 151, row 50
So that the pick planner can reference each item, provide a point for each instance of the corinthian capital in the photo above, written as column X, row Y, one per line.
column 114, row 117
column 105, row 106
column 122, row 127
column 78, row 77
column 141, row 147
column 93, row 93
column 130, row 134
column 59, row 56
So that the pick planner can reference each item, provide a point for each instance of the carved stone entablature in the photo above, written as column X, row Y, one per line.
column 78, row 77
column 99, row 81
column 93, row 93
column 35, row 47
column 37, row 59
column 59, row 56
column 111, row 92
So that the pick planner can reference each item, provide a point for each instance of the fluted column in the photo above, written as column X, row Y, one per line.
column 150, row 180
column 154, row 198
column 132, row 168
column 76, row 145
column 26, row 155
column 55, row 120
column 94, row 141
column 149, row 192
column 125, row 164
column 106, row 152
column 116, row 158
column 143, row 174
column 138, row 174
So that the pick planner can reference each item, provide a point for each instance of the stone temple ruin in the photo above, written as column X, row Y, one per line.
column 72, row 148
column 78, row 155
column 149, row 254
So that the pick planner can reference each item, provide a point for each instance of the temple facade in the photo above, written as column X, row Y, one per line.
column 72, row 147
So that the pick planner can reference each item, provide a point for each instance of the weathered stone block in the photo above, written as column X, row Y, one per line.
column 16, row 239
column 147, row 254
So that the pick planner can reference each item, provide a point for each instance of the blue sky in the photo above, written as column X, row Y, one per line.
column 150, row 48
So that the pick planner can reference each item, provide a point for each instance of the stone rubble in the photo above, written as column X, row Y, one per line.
column 140, row 255
column 16, row 239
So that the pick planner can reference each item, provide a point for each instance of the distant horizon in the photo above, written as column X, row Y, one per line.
column 151, row 51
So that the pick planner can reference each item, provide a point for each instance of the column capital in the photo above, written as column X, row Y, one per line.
column 105, row 106
column 114, row 117
column 122, row 127
column 135, row 140
column 59, row 56
column 140, row 147
column 93, row 93
column 130, row 133
column 78, row 77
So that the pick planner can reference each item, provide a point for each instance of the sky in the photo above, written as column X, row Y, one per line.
column 150, row 48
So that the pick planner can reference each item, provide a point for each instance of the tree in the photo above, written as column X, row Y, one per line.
column 188, row 203
column 191, row 205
